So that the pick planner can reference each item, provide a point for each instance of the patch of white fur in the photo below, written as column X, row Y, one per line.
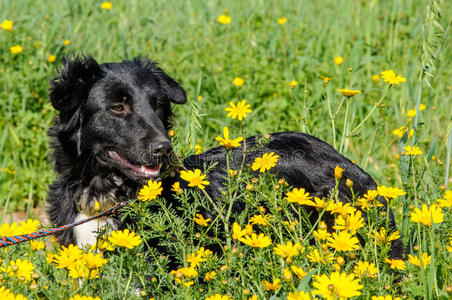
column 85, row 234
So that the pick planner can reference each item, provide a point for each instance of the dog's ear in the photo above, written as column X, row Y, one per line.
column 75, row 78
column 172, row 90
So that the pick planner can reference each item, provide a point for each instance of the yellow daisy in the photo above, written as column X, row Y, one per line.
column 348, row 93
column 266, row 162
column 299, row 196
column 227, row 142
column 224, row 19
column 257, row 241
column 238, row 111
column 390, row 77
column 150, row 191
column 337, row 286
column 412, row 150
column 194, row 178
column 427, row 215
column 124, row 238
column 199, row 219
column 343, row 241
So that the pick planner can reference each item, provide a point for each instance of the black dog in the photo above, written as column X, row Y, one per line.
column 110, row 137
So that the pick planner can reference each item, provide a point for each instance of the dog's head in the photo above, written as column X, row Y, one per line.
column 116, row 113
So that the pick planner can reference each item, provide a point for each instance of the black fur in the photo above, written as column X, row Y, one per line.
column 89, row 129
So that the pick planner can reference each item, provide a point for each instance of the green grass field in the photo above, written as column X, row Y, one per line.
column 205, row 56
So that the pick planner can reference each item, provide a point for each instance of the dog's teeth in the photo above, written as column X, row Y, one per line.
column 143, row 169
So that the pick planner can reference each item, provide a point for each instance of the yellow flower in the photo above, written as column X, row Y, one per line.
column 288, row 250
column 282, row 20
column 37, row 245
column 340, row 208
column 351, row 222
column 184, row 275
column 390, row 77
column 318, row 203
column 16, row 49
column 375, row 77
column 194, row 178
column 292, row 84
column 29, row 226
column 321, row 234
column 226, row 142
column 240, row 111
column 237, row 232
column 78, row 297
column 390, row 192
column 218, row 297
column 298, row 271
column 94, row 261
column 348, row 93
column 7, row 25
column 102, row 244
column 343, row 241
column 301, row 295
column 67, row 42
column 210, row 275
column 272, row 286
column 10, row 230
column 22, row 269
column 238, row 81
column 412, row 112
column 426, row 259
column 257, row 241
column 315, row 257
column 195, row 259
column 224, row 19
column 299, row 196
column 287, row 275
column 97, row 206
column 326, row 80
column 427, row 215
column 199, row 219
column 364, row 268
column 338, row 60
column 124, row 238
column 106, row 5
column 51, row 58
column 401, row 131
column 6, row 293
column 396, row 264
column 446, row 201
column 260, row 220
column 176, row 187
column 412, row 150
column 266, row 162
column 67, row 257
column 150, row 191
column 337, row 286
column 204, row 252
column 381, row 238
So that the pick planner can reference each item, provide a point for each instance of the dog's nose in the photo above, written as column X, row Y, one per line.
column 160, row 148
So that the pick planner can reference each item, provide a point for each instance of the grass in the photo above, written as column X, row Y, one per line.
column 205, row 56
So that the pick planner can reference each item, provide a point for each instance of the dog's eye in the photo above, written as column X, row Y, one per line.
column 118, row 107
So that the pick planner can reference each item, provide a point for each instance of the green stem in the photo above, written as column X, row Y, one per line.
column 344, row 138
column 331, row 116
column 353, row 132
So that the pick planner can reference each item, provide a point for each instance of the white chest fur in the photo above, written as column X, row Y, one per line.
column 86, row 234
